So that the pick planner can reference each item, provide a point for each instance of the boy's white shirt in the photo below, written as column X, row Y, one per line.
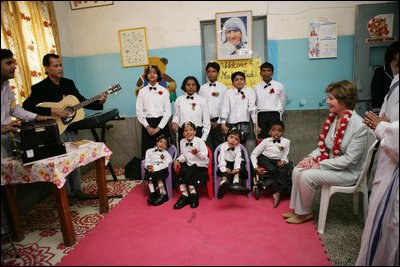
column 200, row 159
column 229, row 155
column 214, row 102
column 158, row 159
column 235, row 108
column 271, row 150
column 270, row 101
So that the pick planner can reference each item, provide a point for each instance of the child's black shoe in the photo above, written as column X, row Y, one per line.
column 160, row 200
column 238, row 188
column 153, row 196
column 182, row 201
column 194, row 200
column 222, row 189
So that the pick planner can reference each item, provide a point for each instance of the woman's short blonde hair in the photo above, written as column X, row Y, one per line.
column 345, row 92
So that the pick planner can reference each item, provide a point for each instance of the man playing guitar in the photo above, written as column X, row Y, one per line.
column 53, row 89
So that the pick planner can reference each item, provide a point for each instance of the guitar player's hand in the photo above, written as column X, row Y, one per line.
column 43, row 118
column 59, row 112
column 103, row 98
column 11, row 127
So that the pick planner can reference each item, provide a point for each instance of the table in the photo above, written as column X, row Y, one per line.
column 54, row 170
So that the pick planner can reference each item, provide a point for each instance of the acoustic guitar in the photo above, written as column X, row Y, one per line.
column 74, row 108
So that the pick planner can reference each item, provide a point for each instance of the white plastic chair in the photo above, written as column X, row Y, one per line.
column 361, row 186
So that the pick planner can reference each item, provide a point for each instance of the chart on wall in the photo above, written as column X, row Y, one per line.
column 133, row 44
column 322, row 39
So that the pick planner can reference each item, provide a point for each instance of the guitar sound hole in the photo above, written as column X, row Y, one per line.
column 70, row 111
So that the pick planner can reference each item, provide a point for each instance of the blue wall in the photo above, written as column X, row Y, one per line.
column 304, row 79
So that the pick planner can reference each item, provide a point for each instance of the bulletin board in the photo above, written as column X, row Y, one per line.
column 133, row 45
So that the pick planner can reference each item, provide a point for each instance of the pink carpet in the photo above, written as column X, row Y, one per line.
column 231, row 231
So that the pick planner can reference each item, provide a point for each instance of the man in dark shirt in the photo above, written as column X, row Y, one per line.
column 53, row 89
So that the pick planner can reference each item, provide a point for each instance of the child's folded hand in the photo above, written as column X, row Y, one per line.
column 281, row 164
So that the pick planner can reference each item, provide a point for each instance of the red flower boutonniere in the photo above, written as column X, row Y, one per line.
column 160, row 92
column 243, row 96
column 216, row 94
column 272, row 91
column 193, row 106
column 281, row 148
column 162, row 156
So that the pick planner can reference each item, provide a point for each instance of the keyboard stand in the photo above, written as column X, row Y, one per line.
column 103, row 134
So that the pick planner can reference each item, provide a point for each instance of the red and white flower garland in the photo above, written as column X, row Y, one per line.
column 338, row 139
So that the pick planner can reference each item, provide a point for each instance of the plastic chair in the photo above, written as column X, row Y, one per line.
column 168, row 182
column 361, row 186
column 217, row 179
column 209, row 182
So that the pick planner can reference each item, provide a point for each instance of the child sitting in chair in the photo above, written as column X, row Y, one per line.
column 156, row 170
column 231, row 165
column 193, row 163
column 272, row 154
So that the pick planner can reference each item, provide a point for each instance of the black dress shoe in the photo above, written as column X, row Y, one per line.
column 160, row 200
column 194, row 200
column 182, row 202
column 153, row 196
column 222, row 189
column 238, row 188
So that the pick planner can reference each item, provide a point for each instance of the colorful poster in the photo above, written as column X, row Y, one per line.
column 250, row 67
column 133, row 46
column 380, row 29
column 322, row 39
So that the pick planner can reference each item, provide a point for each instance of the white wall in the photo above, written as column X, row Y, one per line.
column 94, row 31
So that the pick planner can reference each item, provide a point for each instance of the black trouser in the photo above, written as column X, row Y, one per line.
column 149, row 141
column 264, row 120
column 215, row 137
column 282, row 182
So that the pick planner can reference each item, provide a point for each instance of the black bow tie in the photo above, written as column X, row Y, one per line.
column 230, row 148
column 213, row 84
column 279, row 141
column 157, row 150
column 239, row 91
column 189, row 144
column 190, row 97
column 152, row 88
column 268, row 84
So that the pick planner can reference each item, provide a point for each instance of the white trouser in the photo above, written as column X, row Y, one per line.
column 304, row 185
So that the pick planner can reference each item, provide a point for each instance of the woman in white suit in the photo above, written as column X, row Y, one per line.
column 339, row 158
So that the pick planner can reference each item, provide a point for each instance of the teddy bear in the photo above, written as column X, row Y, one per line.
column 166, row 80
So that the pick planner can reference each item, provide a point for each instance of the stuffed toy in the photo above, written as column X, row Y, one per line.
column 166, row 81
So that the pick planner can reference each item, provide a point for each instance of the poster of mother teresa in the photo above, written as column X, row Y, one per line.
column 234, row 35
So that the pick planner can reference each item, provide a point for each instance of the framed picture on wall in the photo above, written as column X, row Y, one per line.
column 86, row 4
column 133, row 44
column 234, row 35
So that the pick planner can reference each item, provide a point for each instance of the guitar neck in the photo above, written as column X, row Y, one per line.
column 86, row 102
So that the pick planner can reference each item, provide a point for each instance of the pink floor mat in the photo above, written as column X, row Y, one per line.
column 231, row 231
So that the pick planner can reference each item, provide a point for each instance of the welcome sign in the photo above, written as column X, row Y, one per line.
column 250, row 67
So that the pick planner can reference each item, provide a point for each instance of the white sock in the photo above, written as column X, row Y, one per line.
column 236, row 178
column 151, row 187
column 162, row 188
column 183, row 190
column 222, row 181
column 192, row 190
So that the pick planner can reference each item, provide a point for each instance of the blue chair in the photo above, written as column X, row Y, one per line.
column 168, row 182
column 217, row 179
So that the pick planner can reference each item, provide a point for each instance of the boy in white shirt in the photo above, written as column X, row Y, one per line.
column 213, row 92
column 270, row 99
column 156, row 164
column 193, row 163
column 231, row 165
column 272, row 154
column 237, row 107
